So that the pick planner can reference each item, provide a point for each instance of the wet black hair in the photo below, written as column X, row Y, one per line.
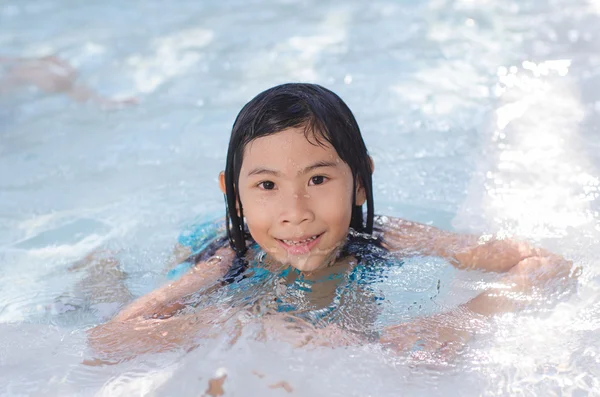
column 326, row 120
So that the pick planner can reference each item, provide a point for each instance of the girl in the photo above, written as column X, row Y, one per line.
column 302, row 251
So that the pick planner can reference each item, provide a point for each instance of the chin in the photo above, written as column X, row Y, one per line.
column 307, row 264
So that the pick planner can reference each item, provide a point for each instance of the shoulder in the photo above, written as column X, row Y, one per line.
column 384, row 225
column 215, row 255
column 219, row 262
column 400, row 235
column 200, row 233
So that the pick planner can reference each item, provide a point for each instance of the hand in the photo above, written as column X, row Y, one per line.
column 497, row 255
column 549, row 274
column 121, row 340
column 542, row 271
column 300, row 333
column 442, row 335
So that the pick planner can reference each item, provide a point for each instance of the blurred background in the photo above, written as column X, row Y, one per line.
column 481, row 116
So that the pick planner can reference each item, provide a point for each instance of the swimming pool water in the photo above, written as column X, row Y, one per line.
column 481, row 116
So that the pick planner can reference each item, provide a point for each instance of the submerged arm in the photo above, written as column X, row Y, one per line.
column 149, row 324
column 447, row 332
column 526, row 270
column 179, row 255
column 464, row 251
column 165, row 300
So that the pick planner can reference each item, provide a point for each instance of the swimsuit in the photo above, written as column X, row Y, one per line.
column 202, row 239
column 288, row 290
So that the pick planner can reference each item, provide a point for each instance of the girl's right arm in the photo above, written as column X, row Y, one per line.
column 148, row 324
column 166, row 300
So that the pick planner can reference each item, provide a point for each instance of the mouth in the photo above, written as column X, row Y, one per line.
column 300, row 246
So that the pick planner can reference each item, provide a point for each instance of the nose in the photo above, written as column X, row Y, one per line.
column 296, row 209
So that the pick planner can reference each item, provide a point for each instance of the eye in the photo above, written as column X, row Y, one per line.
column 267, row 185
column 317, row 180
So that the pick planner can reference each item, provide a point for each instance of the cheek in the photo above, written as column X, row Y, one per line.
column 257, row 214
column 337, row 212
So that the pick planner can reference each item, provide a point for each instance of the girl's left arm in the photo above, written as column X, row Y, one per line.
column 462, row 250
column 526, row 269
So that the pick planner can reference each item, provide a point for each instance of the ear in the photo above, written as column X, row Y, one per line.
column 361, row 195
column 222, row 182
column 223, row 188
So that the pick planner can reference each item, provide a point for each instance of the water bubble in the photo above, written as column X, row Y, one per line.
column 221, row 372
column 260, row 257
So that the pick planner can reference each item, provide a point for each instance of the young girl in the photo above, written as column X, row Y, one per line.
column 302, row 252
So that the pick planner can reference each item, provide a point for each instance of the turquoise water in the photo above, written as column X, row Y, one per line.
column 481, row 116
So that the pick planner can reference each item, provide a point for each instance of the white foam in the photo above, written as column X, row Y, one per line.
column 135, row 383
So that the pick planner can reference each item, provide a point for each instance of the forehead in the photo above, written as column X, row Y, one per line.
column 290, row 146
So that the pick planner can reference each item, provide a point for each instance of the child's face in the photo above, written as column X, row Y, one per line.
column 297, row 198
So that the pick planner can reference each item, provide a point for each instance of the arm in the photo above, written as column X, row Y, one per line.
column 462, row 250
column 166, row 300
column 447, row 332
column 525, row 269
column 180, row 253
column 148, row 324
column 54, row 75
column 544, row 273
column 82, row 93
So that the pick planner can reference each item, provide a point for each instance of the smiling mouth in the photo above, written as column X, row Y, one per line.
column 300, row 242
column 300, row 247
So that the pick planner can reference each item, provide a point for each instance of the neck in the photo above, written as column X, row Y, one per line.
column 333, row 262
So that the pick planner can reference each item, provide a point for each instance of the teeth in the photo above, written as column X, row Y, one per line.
column 292, row 242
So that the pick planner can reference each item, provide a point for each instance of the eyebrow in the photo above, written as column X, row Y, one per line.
column 305, row 170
